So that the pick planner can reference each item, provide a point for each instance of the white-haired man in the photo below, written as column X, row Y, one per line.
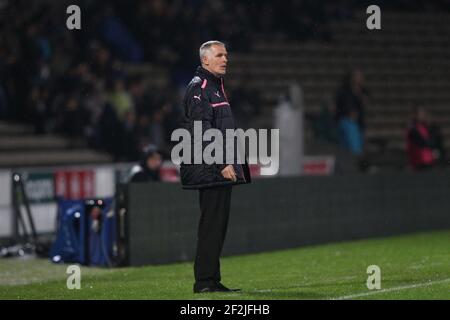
column 205, row 100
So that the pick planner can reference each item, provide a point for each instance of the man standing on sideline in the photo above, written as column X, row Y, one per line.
column 205, row 100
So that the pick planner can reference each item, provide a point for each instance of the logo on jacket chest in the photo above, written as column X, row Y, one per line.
column 217, row 100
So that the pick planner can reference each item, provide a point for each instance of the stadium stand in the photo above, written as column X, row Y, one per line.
column 405, row 63
column 20, row 147
column 123, row 88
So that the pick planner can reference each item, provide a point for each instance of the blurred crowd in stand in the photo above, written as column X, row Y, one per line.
column 80, row 84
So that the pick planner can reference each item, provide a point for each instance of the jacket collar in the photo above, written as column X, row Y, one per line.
column 203, row 73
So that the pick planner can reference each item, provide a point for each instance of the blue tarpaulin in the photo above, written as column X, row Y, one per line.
column 80, row 237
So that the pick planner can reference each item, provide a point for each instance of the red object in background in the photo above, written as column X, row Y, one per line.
column 419, row 155
column 255, row 170
column 318, row 166
column 312, row 165
column 73, row 185
column 315, row 168
column 169, row 174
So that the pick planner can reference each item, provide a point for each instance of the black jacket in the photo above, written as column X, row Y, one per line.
column 145, row 174
column 205, row 100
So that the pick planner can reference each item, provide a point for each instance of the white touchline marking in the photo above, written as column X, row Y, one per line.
column 412, row 286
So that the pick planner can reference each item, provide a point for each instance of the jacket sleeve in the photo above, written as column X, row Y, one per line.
column 199, row 108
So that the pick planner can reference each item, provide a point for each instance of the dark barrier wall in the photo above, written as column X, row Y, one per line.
column 280, row 213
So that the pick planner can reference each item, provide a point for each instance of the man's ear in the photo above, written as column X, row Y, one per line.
column 205, row 60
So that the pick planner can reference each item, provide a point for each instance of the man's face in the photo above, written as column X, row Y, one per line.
column 216, row 59
column 154, row 162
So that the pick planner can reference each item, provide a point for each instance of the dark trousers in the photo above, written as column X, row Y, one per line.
column 215, row 210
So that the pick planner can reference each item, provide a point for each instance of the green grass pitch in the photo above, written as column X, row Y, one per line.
column 412, row 267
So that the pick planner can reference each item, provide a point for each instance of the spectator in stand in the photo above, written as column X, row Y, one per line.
column 38, row 102
column 156, row 128
column 419, row 142
column 128, row 138
column 143, row 129
column 350, row 134
column 74, row 119
column 102, row 63
column 149, row 169
column 40, row 66
column 351, row 101
column 353, row 96
column 107, row 131
column 137, row 89
column 120, row 99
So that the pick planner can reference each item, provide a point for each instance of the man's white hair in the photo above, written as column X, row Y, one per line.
column 207, row 46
